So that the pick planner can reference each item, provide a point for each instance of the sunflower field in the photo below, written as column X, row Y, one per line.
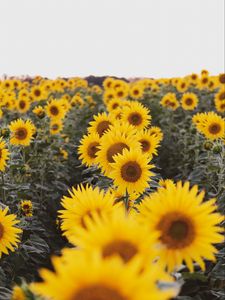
column 112, row 189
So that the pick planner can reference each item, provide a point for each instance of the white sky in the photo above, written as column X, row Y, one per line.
column 111, row 37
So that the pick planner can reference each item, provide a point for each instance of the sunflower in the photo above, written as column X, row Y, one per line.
column 121, row 92
column 189, row 101
column 8, row 232
column 188, row 226
column 18, row 293
column 39, row 111
column 222, row 78
column 220, row 96
column 193, row 79
column 182, row 85
column 210, row 124
column 149, row 143
column 55, row 110
column 109, row 95
column 4, row 155
column 38, row 93
column 114, row 104
column 84, row 203
column 111, row 144
column 21, row 132
column 155, row 130
column 79, row 276
column 118, row 234
column 88, row 149
column 169, row 100
column 56, row 126
column 23, row 104
column 131, row 171
column 107, row 83
column 101, row 124
column 136, row 91
column 136, row 115
column 220, row 105
column 26, row 207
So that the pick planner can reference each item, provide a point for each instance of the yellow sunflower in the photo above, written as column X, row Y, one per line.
column 114, row 104
column 136, row 91
column 56, row 126
column 88, row 149
column 220, row 105
column 210, row 124
column 9, row 238
column 131, row 171
column 154, row 130
column 109, row 95
column 21, row 132
column 23, row 105
column 136, row 115
column 188, row 226
column 149, row 143
column 4, row 155
column 38, row 93
column 189, row 101
column 111, row 144
column 101, row 124
column 84, row 203
column 78, row 276
column 182, row 85
column 120, row 235
column 55, row 110
column 222, row 78
column 220, row 96
column 26, row 207
column 169, row 100
column 39, row 111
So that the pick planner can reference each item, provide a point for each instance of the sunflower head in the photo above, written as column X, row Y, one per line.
column 131, row 171
column 9, row 233
column 188, row 227
column 22, row 132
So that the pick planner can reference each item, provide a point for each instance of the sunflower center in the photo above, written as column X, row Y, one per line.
column 135, row 118
column 189, row 101
column 102, row 127
column 183, row 85
column 214, row 128
column 115, row 149
column 120, row 94
column 22, row 104
column 55, row 127
column 194, row 76
column 131, row 171
column 222, row 78
column 1, row 230
column 37, row 93
column 21, row 133
column 125, row 249
column 115, row 105
column 145, row 145
column 136, row 92
column 98, row 292
column 92, row 149
column 177, row 231
column 222, row 96
column 26, row 206
column 54, row 110
column 204, row 80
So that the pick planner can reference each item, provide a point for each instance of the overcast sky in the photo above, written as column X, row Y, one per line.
column 160, row 38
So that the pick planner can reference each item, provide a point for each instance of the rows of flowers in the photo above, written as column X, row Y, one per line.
column 112, row 192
